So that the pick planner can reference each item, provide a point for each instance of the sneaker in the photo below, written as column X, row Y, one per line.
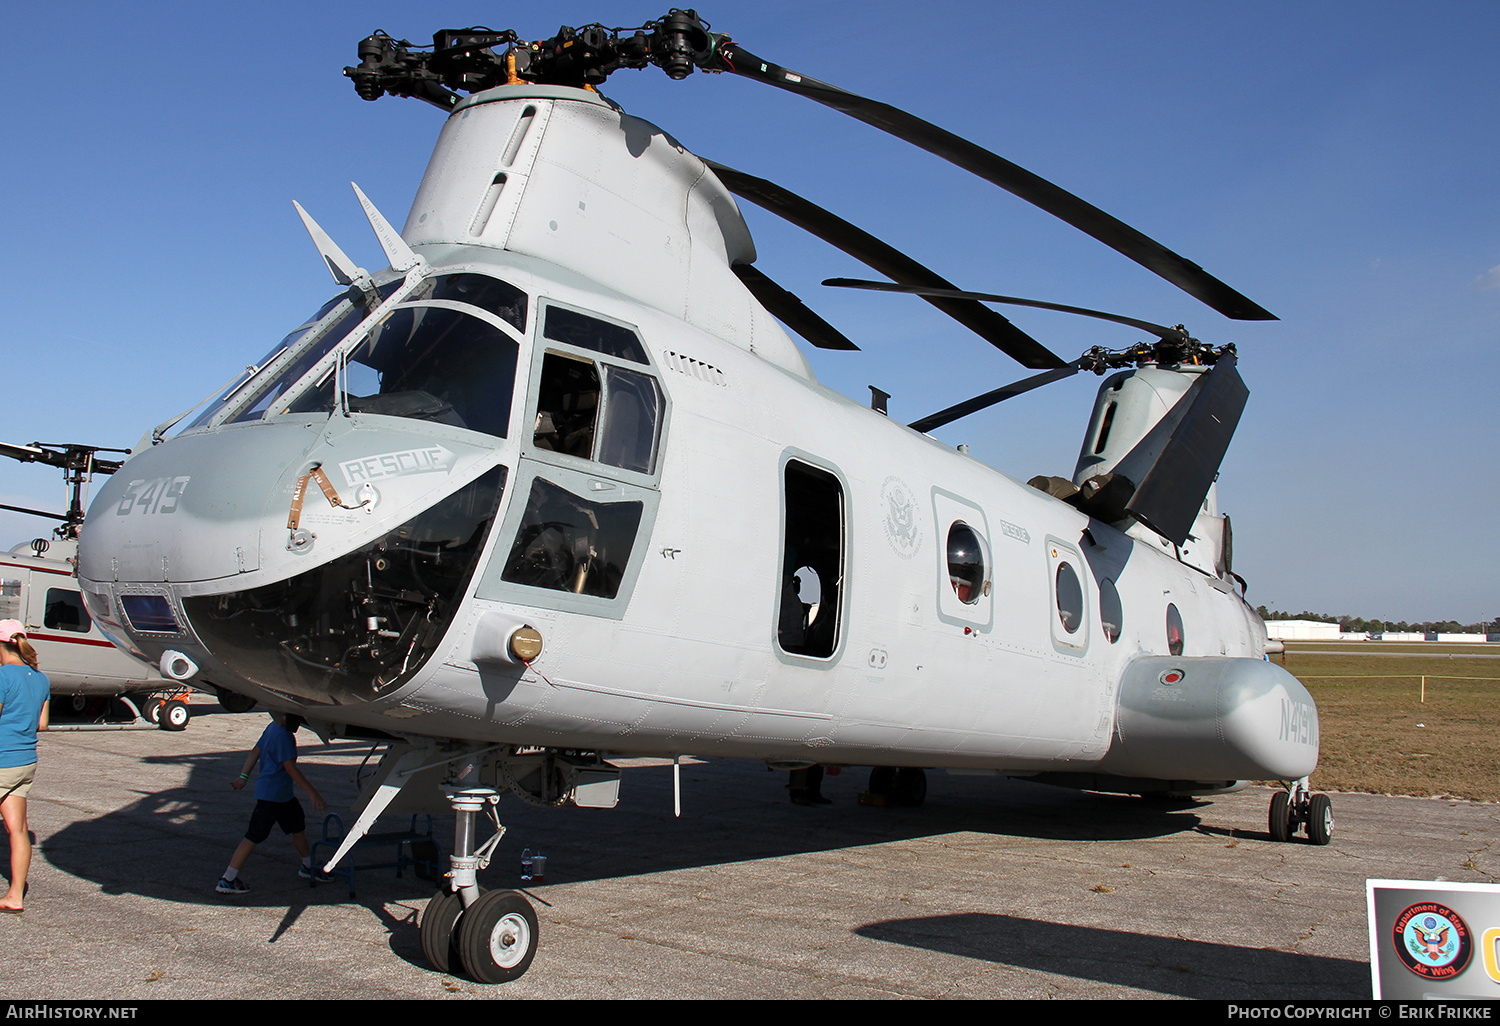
column 235, row 886
column 318, row 876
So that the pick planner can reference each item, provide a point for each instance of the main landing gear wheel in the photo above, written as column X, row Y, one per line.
column 151, row 709
column 231, row 702
column 910, row 788
column 175, row 715
column 1320, row 819
column 1281, row 816
column 497, row 937
column 440, row 932
column 905, row 786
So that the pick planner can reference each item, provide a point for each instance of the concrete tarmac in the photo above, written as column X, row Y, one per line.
column 992, row 889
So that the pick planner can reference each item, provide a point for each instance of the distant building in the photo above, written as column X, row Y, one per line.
column 1305, row 630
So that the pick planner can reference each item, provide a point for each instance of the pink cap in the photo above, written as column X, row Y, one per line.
column 10, row 628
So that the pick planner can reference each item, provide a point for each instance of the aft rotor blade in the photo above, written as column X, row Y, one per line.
column 999, row 395
column 790, row 310
column 1172, row 491
column 1084, row 216
column 1158, row 330
column 867, row 249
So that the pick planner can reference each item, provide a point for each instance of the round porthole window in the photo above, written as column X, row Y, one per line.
column 1174, row 630
column 1069, row 598
column 966, row 570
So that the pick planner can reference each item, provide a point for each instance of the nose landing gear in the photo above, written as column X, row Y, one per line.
column 489, row 936
column 1295, row 807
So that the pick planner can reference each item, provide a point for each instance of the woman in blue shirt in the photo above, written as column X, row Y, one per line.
column 23, row 712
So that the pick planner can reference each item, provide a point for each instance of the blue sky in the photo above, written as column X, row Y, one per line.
column 1335, row 161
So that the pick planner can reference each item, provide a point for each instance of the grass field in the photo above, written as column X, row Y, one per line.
column 1378, row 735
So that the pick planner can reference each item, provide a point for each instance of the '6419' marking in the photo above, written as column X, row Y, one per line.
column 156, row 495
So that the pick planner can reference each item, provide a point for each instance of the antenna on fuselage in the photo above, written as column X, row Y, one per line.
column 339, row 265
column 396, row 250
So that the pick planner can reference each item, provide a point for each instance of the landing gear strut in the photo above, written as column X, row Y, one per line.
column 489, row 936
column 1295, row 807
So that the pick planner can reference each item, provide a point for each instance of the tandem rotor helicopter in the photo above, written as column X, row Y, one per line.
column 556, row 488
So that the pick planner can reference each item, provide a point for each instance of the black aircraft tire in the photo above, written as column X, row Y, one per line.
column 440, row 932
column 497, row 937
column 231, row 702
column 1281, row 816
column 910, row 788
column 1320, row 819
column 151, row 709
column 883, row 780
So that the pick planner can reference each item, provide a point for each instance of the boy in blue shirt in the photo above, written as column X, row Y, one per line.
column 275, row 802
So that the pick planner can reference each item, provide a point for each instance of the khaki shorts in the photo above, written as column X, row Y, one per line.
column 16, row 780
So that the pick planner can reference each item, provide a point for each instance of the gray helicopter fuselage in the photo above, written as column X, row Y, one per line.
column 570, row 415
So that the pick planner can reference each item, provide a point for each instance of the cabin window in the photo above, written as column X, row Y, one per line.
column 1174, row 630
column 812, row 576
column 1069, row 598
column 64, row 611
column 569, row 543
column 10, row 598
column 966, row 568
column 1111, row 611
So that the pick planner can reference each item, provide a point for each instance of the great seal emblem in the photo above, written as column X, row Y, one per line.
column 902, row 528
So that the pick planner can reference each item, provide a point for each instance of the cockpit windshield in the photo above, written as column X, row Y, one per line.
column 291, row 339
column 285, row 364
column 426, row 362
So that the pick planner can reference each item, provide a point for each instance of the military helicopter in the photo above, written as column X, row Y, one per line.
column 100, row 686
column 38, row 586
column 556, row 487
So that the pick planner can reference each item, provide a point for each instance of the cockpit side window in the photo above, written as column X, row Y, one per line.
column 585, row 332
column 589, row 406
column 569, row 543
column 567, row 405
column 632, row 420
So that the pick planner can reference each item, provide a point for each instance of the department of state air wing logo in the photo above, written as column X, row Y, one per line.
column 1432, row 940
column 902, row 529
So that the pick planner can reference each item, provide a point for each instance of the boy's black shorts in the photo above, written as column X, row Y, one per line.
column 287, row 815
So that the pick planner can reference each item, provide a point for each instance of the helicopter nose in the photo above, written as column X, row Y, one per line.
column 322, row 560
column 262, row 502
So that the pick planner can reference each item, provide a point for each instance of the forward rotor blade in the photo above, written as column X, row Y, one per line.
column 1172, row 491
column 1158, row 330
column 35, row 512
column 1084, row 216
column 999, row 395
column 867, row 249
column 790, row 310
